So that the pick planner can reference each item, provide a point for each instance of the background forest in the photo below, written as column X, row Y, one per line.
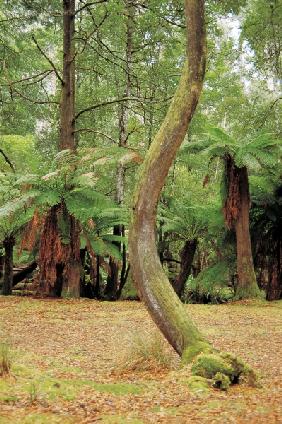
column 81, row 101
column 140, row 158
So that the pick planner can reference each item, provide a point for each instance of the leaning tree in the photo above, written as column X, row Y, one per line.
column 153, row 285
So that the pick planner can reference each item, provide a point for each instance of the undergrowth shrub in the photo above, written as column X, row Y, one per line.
column 146, row 352
column 212, row 285
column 5, row 359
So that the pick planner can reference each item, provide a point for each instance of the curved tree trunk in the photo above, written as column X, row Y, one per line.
column 153, row 286
column 8, row 244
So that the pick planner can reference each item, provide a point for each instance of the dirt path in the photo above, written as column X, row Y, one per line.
column 68, row 364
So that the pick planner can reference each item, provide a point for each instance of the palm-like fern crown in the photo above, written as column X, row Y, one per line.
column 189, row 222
column 70, row 182
column 255, row 151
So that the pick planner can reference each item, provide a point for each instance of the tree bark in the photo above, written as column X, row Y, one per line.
column 60, row 275
column 153, row 285
column 2, row 258
column 187, row 256
column 236, row 209
column 274, row 285
column 8, row 244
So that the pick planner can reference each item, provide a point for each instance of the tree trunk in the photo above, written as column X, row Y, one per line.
column 8, row 244
column 60, row 275
column 2, row 258
column 236, row 209
column 187, row 256
column 153, row 285
column 274, row 285
column 113, row 282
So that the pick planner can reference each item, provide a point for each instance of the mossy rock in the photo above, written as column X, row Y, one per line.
column 223, row 369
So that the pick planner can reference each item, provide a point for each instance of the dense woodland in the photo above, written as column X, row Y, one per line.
column 140, row 159
column 84, row 89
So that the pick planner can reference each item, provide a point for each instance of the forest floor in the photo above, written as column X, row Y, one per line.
column 86, row 361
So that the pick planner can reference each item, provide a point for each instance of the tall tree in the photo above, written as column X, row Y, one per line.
column 111, row 290
column 239, row 154
column 153, row 285
column 59, row 260
column 154, row 288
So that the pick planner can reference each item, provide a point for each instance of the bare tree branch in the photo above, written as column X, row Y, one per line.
column 109, row 102
column 40, row 74
column 48, row 59
column 36, row 102
column 90, row 4
column 96, row 132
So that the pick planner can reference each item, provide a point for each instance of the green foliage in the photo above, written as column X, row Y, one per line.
column 22, row 153
column 210, row 286
column 96, row 212
column 255, row 151
column 262, row 29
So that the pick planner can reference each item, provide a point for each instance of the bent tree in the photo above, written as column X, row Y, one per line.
column 153, row 285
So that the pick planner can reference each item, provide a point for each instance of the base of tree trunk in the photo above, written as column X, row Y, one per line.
column 211, row 368
column 8, row 244
column 251, row 291
column 59, row 255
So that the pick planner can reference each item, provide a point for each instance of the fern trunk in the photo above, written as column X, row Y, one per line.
column 236, row 210
column 247, row 285
column 153, row 286
column 8, row 245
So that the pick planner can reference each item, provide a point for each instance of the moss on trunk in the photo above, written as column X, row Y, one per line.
column 153, row 286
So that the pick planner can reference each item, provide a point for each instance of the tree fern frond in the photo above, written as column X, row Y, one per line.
column 104, row 248
column 17, row 205
column 48, row 198
column 111, row 238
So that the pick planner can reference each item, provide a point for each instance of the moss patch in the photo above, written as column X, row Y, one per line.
column 223, row 369
column 192, row 351
column 198, row 385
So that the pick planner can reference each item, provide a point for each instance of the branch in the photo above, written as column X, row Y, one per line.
column 43, row 74
column 96, row 132
column 90, row 4
column 110, row 102
column 7, row 160
column 48, row 59
column 36, row 102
